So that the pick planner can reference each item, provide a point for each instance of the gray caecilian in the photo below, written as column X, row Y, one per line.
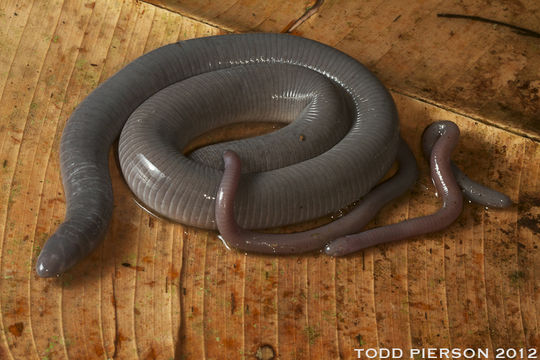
column 343, row 137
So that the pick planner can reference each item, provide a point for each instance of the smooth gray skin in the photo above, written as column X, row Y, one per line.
column 311, row 188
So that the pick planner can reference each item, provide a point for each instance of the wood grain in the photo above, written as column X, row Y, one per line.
column 157, row 290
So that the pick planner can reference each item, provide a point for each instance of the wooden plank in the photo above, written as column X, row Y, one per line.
column 157, row 290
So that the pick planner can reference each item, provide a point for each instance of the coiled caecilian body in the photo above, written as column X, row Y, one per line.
column 342, row 138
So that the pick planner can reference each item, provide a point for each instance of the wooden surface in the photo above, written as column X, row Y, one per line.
column 157, row 290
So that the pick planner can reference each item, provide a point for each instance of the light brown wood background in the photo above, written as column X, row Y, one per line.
column 157, row 290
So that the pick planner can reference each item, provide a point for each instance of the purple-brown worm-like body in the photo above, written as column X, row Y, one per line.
column 472, row 190
column 245, row 240
column 343, row 236
column 447, row 136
